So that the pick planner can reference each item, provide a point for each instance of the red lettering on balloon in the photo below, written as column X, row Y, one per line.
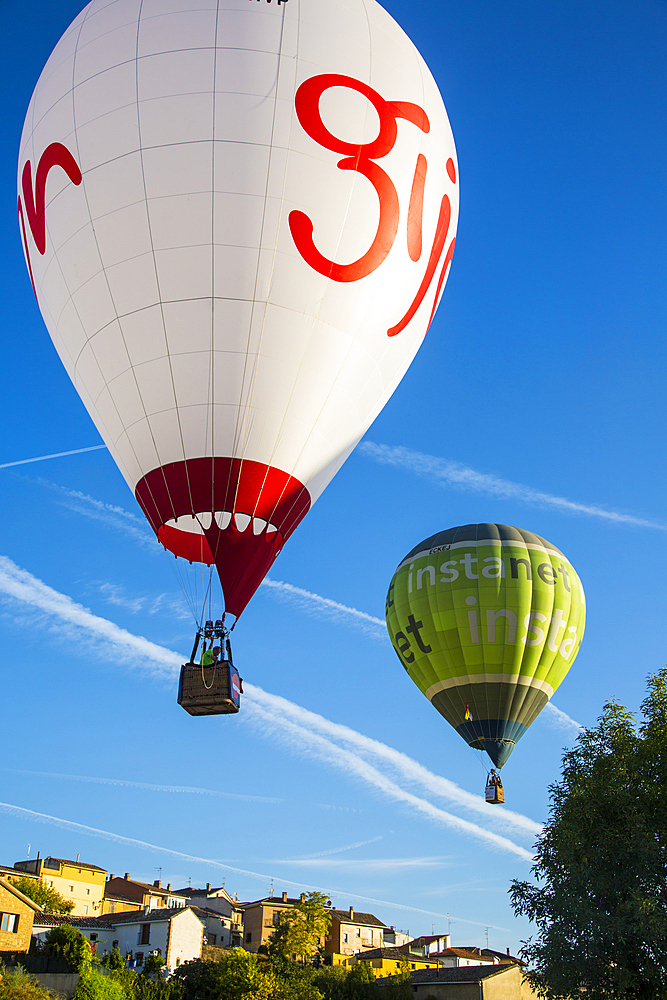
column 441, row 231
column 416, row 209
column 55, row 155
column 359, row 158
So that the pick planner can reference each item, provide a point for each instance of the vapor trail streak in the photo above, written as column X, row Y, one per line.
column 447, row 473
column 375, row 627
column 66, row 824
column 308, row 742
column 57, row 454
column 123, row 783
column 24, row 587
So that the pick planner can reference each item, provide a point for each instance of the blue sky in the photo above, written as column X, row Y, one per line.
column 541, row 381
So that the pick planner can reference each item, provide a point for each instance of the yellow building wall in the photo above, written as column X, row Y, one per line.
column 120, row 907
column 82, row 886
column 392, row 966
column 20, row 939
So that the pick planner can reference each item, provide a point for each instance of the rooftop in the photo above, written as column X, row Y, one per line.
column 142, row 916
column 396, row 954
column 344, row 917
column 466, row 974
column 61, row 861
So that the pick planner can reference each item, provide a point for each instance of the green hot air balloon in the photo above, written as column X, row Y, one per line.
column 487, row 620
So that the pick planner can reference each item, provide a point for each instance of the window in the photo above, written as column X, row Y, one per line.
column 93, row 937
column 85, row 909
column 50, row 882
column 145, row 934
column 71, row 888
column 211, row 938
column 140, row 958
column 358, row 931
column 178, row 961
column 114, row 944
column 397, row 964
column 248, row 937
column 276, row 917
column 344, row 938
column 112, row 907
column 9, row 922
column 87, row 892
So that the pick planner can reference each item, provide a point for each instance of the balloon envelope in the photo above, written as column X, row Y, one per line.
column 238, row 219
column 487, row 620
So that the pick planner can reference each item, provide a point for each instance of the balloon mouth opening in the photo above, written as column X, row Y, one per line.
column 498, row 750
column 195, row 537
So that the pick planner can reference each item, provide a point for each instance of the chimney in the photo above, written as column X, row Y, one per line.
column 302, row 897
column 284, row 897
column 168, row 886
column 509, row 953
column 351, row 913
column 78, row 856
column 208, row 886
column 156, row 883
column 111, row 875
column 126, row 876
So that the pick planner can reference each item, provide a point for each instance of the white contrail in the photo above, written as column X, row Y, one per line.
column 365, row 864
column 309, row 743
column 324, row 607
column 109, row 514
column 57, row 454
column 402, row 764
column 123, row 783
column 66, row 824
column 339, row 850
column 24, row 587
column 445, row 472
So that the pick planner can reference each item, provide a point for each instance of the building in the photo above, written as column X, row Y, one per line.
column 427, row 944
column 261, row 916
column 17, row 913
column 350, row 933
column 394, row 939
column 219, row 901
column 176, row 933
column 497, row 982
column 76, row 881
column 122, row 895
column 459, row 958
column 391, row 961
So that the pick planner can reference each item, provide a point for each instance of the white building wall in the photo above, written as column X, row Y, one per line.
column 186, row 938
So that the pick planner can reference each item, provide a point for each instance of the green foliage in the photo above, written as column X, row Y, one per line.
column 113, row 959
column 71, row 944
column 301, row 929
column 152, row 965
column 96, row 986
column 18, row 985
column 600, row 902
column 49, row 899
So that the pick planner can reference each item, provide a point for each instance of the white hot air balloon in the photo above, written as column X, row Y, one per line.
column 238, row 217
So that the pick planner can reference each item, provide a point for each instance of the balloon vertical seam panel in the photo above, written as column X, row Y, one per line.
column 213, row 203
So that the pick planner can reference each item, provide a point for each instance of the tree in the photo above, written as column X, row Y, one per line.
column 71, row 944
column 113, row 959
column 153, row 965
column 49, row 899
column 600, row 902
column 301, row 928
column 19, row 985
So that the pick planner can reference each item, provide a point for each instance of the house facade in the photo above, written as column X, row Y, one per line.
column 261, row 916
column 391, row 961
column 77, row 882
column 498, row 982
column 124, row 895
column 219, row 901
column 350, row 933
column 17, row 913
